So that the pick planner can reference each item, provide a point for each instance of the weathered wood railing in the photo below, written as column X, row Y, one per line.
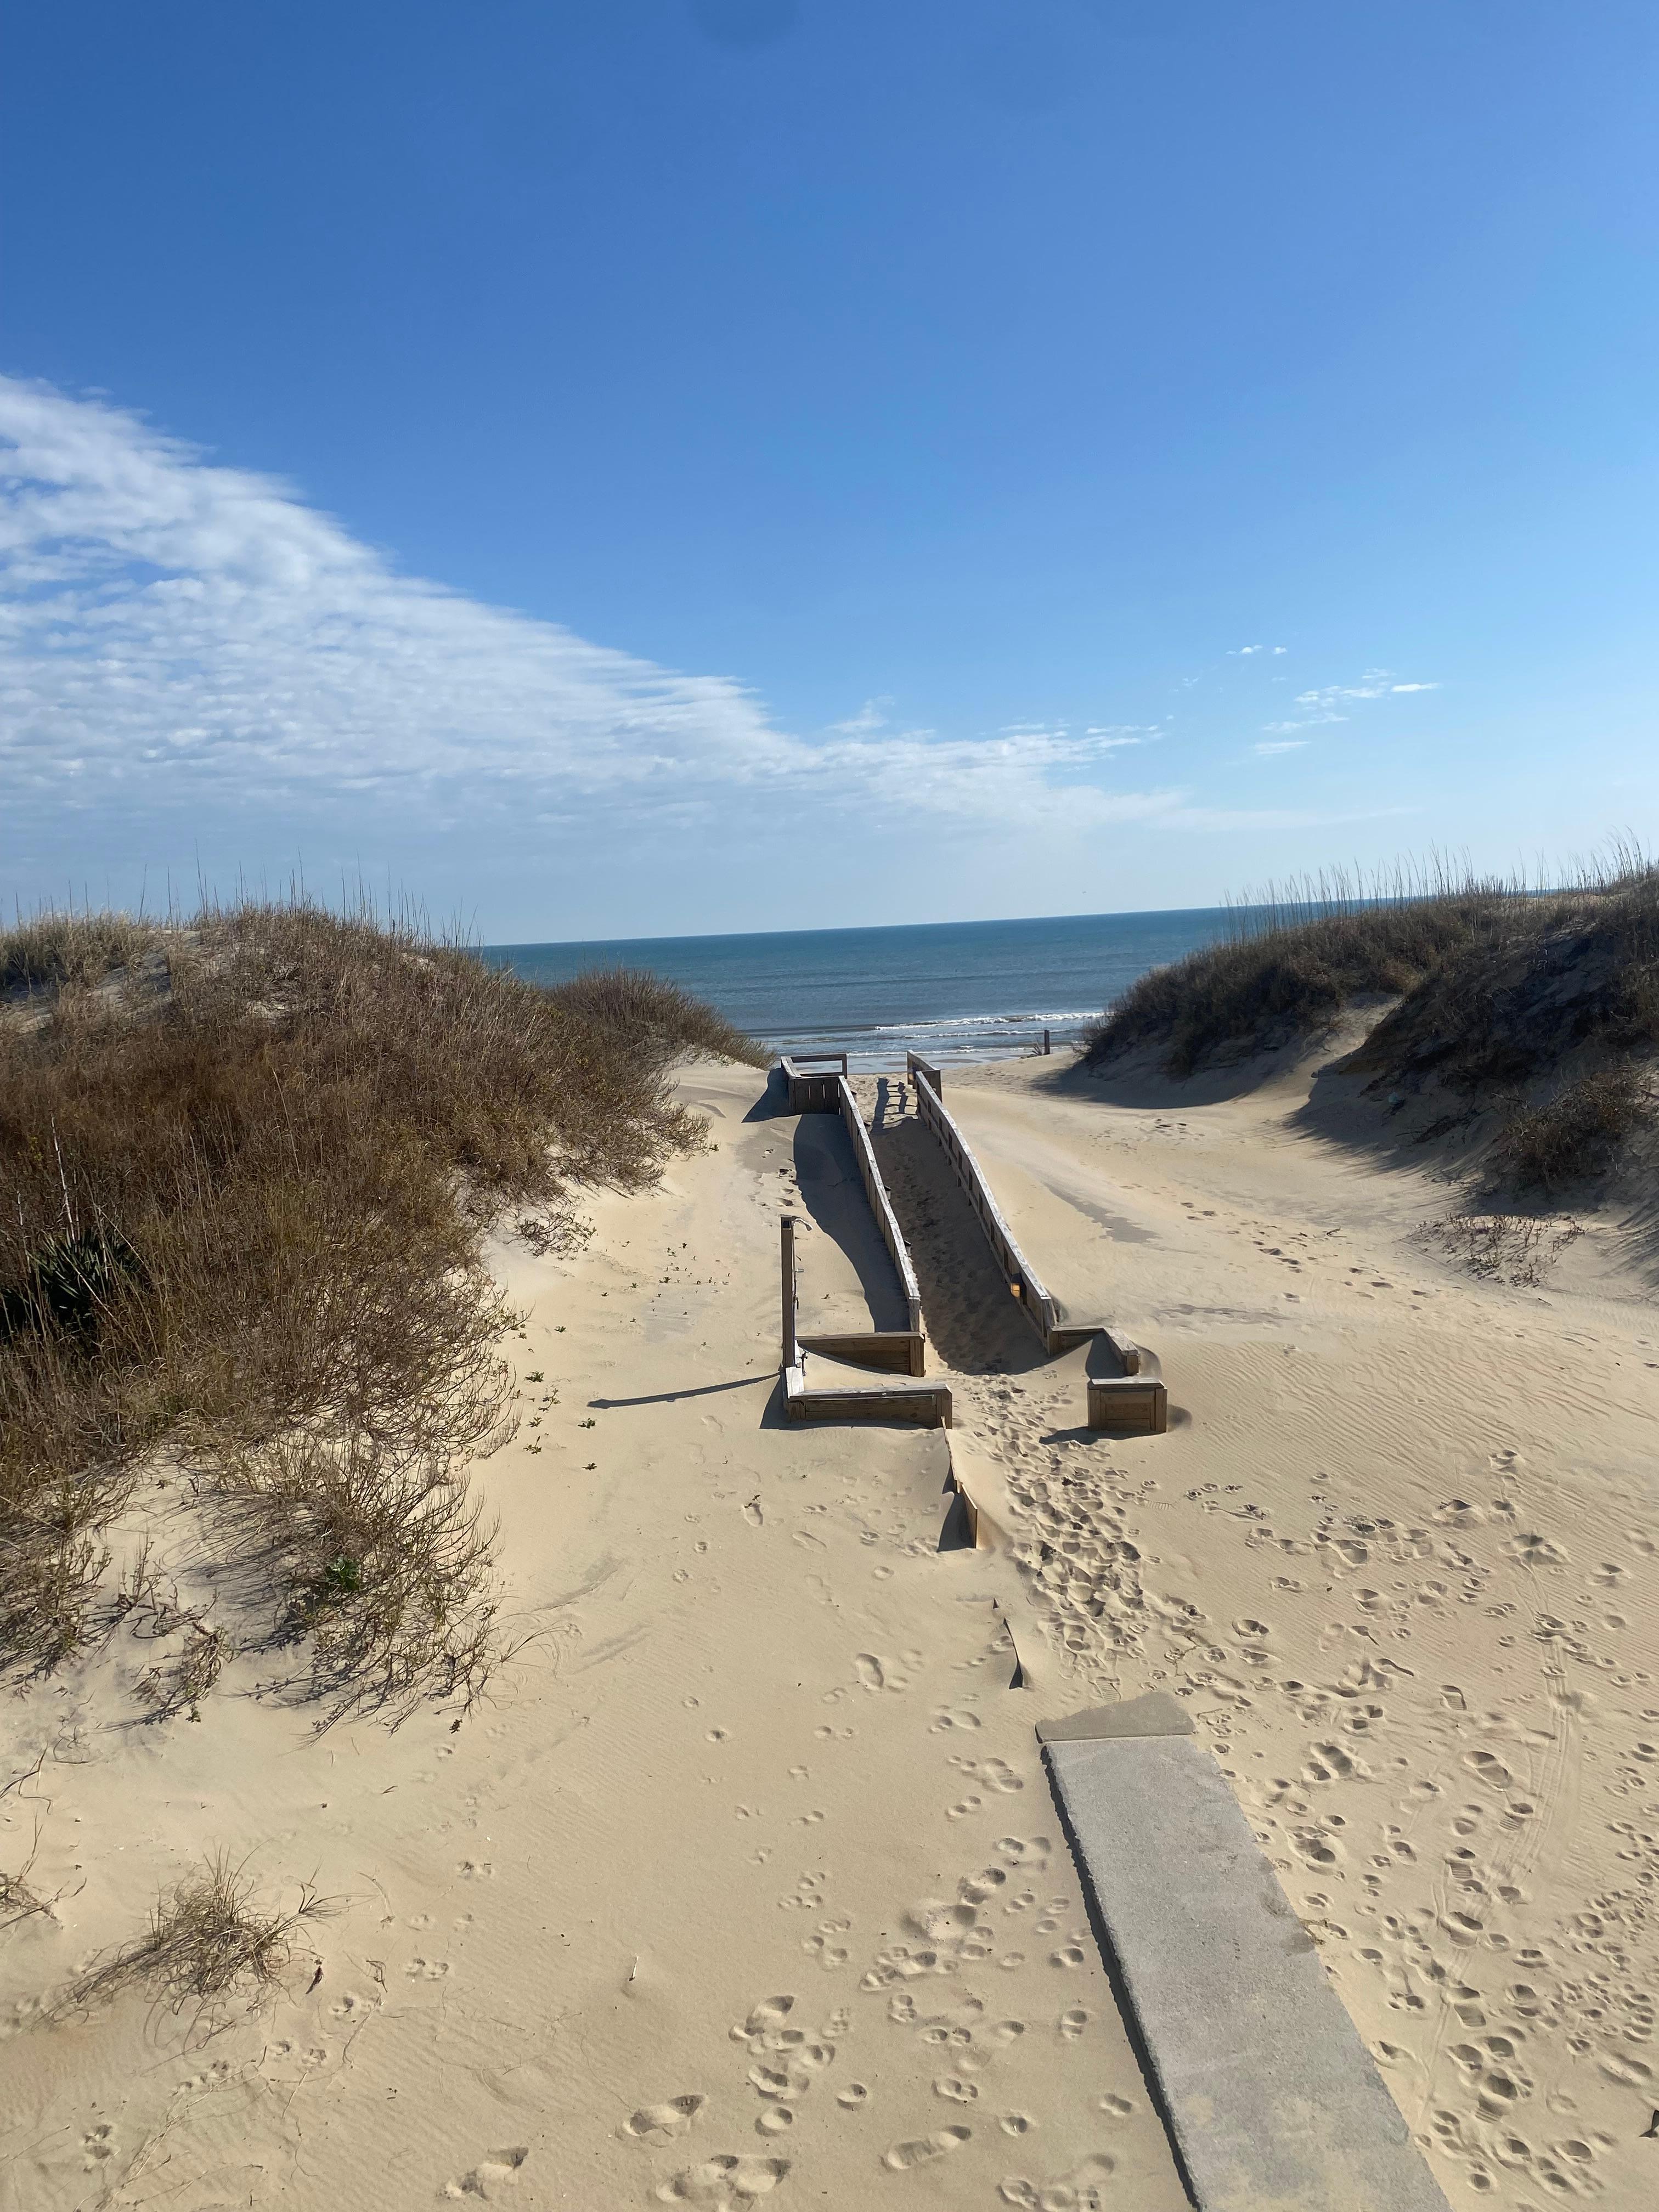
column 929, row 1405
column 811, row 1093
column 903, row 1349
column 1134, row 1398
column 1024, row 1281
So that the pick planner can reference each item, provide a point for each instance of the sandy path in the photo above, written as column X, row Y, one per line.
column 1398, row 1551
column 746, row 1887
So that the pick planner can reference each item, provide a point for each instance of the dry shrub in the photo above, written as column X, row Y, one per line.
column 205, row 1937
column 20, row 1899
column 1518, row 1249
column 1291, row 965
column 55, row 949
column 630, row 1002
column 1576, row 1132
column 245, row 1204
column 1497, row 986
column 383, row 1560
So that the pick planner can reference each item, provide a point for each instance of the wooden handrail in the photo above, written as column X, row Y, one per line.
column 1024, row 1282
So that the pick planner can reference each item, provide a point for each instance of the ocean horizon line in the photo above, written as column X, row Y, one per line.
column 958, row 991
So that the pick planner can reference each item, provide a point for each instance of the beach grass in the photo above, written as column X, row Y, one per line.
column 1540, row 1005
column 247, row 1162
column 1295, row 956
column 207, row 1934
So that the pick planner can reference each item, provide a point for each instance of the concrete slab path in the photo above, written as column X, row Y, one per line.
column 1272, row 2101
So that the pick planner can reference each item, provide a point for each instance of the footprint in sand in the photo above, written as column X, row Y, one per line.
column 1536, row 1550
column 1629, row 2073
column 922, row 2149
column 995, row 1774
column 1032, row 1851
column 794, row 2078
column 853, row 2096
column 661, row 2124
column 1313, row 1847
column 1486, row 1767
column 496, row 2172
column 764, row 2029
column 98, row 2145
column 1080, row 2190
column 724, row 2183
column 1072, row 2024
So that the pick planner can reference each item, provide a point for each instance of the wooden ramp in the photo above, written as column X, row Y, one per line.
column 1126, row 1392
column 827, row 1373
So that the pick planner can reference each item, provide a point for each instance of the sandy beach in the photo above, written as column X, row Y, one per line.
column 747, row 1883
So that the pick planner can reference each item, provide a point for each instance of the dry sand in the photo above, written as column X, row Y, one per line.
column 747, row 1885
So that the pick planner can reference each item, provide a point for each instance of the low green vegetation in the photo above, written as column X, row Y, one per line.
column 247, row 1167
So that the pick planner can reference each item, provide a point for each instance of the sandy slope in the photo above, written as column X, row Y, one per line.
column 1398, row 1550
column 746, row 1886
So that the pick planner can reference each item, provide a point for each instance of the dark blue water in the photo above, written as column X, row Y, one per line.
column 954, row 990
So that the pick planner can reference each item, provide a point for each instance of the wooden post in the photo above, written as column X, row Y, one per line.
column 1047, row 1047
column 787, row 1226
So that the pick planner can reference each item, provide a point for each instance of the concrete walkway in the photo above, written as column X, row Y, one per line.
column 1272, row 2101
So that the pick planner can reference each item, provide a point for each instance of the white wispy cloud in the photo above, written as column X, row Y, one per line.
column 1374, row 683
column 1284, row 745
column 1320, row 706
column 178, row 637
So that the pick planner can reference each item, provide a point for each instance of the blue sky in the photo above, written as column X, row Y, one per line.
column 683, row 464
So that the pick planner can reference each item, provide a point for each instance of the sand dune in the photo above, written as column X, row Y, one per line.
column 748, row 1884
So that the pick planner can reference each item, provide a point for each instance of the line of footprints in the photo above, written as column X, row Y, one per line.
column 959, row 2034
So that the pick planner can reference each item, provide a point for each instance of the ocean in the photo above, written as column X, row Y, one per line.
column 953, row 991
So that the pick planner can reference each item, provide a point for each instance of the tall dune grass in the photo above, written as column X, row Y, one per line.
column 1295, row 955
column 1545, row 1001
column 245, row 1167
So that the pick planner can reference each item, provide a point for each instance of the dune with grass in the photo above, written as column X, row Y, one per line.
column 462, row 1742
